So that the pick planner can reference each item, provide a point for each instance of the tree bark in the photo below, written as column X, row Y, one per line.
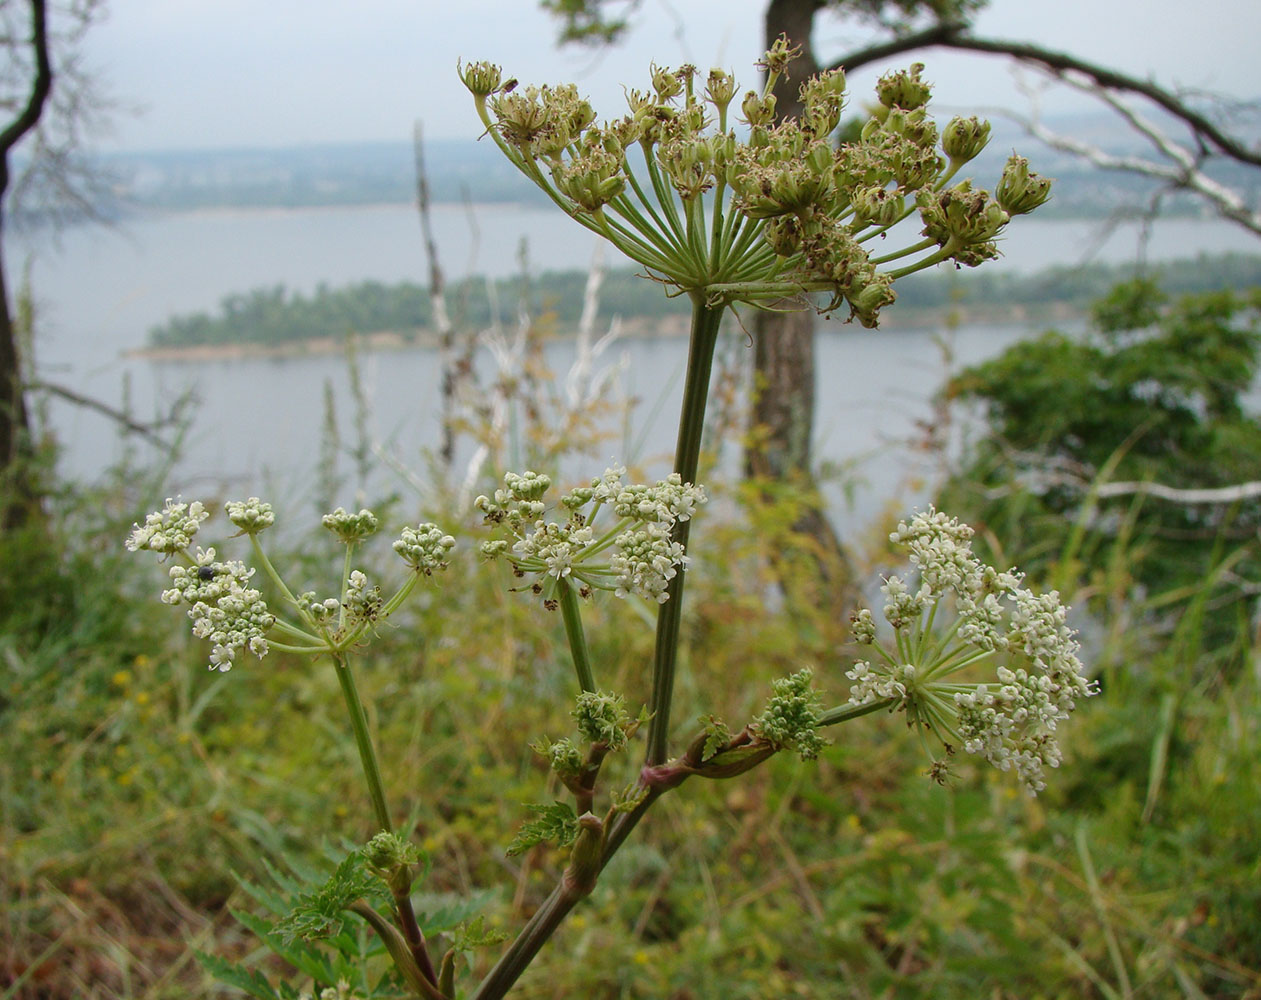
column 15, row 444
column 782, row 413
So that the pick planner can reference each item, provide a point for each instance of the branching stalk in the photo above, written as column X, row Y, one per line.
column 577, row 637
column 705, row 322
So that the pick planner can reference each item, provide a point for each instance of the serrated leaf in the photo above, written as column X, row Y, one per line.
column 266, row 897
column 250, row 981
column 473, row 934
column 440, row 912
column 555, row 822
column 319, row 914
column 298, row 954
column 717, row 736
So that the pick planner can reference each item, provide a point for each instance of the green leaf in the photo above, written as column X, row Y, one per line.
column 250, row 981
column 555, row 822
column 296, row 953
column 717, row 736
column 473, row 934
column 319, row 914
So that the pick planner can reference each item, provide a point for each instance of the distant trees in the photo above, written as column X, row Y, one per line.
column 1136, row 439
column 277, row 316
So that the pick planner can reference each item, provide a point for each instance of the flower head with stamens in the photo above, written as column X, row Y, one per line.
column 251, row 516
column 1010, row 720
column 223, row 607
column 635, row 554
column 170, row 529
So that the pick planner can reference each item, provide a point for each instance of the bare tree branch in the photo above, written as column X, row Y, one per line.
column 1216, row 495
column 149, row 430
column 1181, row 170
column 41, row 87
column 954, row 36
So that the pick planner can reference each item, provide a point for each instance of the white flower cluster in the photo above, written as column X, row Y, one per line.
column 636, row 555
column 251, row 516
column 424, row 548
column 223, row 607
column 351, row 527
column 169, row 530
column 558, row 547
column 646, row 561
column 362, row 602
column 1011, row 723
column 669, row 501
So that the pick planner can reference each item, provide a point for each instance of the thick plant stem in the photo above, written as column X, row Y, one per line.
column 521, row 953
column 700, row 361
column 541, row 926
column 363, row 741
column 577, row 638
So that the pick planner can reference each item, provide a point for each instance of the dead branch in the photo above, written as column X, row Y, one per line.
column 1180, row 169
column 438, row 304
column 954, row 36
column 127, row 422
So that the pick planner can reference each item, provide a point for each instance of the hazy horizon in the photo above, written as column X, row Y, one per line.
column 309, row 72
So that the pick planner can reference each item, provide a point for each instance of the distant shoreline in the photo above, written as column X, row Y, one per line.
column 635, row 327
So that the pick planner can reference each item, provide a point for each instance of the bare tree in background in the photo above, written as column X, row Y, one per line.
column 45, row 109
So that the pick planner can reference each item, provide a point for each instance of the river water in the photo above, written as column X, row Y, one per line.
column 257, row 429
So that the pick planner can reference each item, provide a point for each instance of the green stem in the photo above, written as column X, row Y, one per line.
column 533, row 936
column 705, row 323
column 394, row 943
column 577, row 638
column 844, row 713
column 363, row 741
column 945, row 253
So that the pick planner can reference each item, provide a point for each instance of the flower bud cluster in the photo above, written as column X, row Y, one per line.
column 251, row 516
column 963, row 219
column 635, row 555
column 223, row 607
column 904, row 88
column 350, row 528
column 601, row 717
column 1021, row 191
column 815, row 205
column 424, row 548
column 1011, row 723
column 791, row 719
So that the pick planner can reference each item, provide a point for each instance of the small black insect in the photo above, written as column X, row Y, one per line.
column 205, row 572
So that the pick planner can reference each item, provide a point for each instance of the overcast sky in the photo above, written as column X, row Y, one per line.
column 218, row 73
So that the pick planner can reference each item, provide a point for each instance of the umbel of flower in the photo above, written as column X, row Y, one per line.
column 769, row 212
column 233, row 615
column 957, row 617
column 631, row 552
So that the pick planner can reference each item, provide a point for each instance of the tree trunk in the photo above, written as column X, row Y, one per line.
column 18, row 496
column 782, row 416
